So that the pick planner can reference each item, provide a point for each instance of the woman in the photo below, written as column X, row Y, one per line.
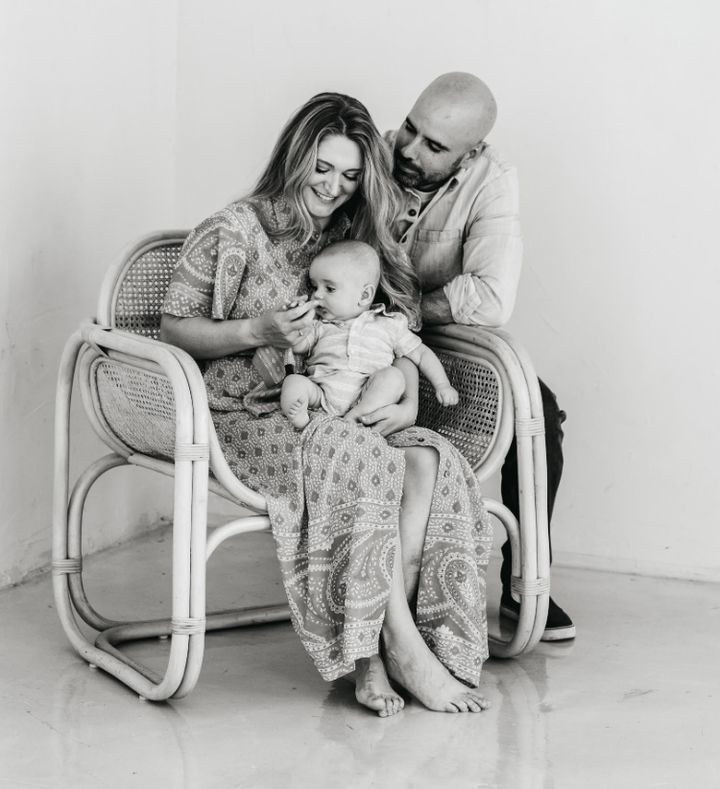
column 338, row 494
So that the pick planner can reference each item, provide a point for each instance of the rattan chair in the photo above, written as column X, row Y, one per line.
column 147, row 401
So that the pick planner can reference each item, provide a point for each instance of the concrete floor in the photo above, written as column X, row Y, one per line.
column 633, row 702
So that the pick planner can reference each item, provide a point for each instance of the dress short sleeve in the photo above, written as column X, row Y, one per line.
column 212, row 263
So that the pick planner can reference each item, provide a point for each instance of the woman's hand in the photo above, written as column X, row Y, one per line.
column 285, row 327
column 208, row 338
column 391, row 418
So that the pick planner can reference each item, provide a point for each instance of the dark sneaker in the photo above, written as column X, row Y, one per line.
column 559, row 626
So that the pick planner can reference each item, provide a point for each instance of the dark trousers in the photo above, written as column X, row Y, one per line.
column 554, row 418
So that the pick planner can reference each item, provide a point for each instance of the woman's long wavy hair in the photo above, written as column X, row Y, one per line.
column 372, row 208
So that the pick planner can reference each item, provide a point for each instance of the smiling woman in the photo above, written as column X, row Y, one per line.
column 335, row 180
column 343, row 499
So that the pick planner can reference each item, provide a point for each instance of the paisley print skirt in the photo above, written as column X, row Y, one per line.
column 333, row 493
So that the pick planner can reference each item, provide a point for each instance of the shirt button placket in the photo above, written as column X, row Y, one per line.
column 351, row 341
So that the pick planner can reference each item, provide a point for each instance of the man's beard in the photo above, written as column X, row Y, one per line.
column 409, row 176
column 405, row 174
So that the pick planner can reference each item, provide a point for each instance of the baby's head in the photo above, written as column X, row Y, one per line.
column 343, row 280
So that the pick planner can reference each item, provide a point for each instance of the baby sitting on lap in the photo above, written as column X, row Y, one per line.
column 351, row 347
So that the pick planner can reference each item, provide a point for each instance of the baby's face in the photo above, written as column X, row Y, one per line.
column 337, row 287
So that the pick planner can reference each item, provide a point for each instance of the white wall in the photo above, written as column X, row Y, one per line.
column 618, row 302
column 87, row 146
column 609, row 110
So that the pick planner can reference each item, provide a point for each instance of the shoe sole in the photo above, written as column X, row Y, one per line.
column 566, row 633
column 558, row 633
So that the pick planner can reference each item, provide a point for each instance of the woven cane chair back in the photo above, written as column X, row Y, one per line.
column 133, row 293
column 134, row 407
column 132, row 299
column 473, row 425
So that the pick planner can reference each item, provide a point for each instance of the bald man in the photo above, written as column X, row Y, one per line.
column 460, row 228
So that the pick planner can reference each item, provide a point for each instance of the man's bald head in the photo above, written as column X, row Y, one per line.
column 463, row 102
column 444, row 130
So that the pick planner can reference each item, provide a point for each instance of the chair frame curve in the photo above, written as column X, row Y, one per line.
column 199, row 467
column 530, row 544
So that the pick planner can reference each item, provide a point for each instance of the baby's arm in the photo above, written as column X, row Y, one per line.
column 431, row 367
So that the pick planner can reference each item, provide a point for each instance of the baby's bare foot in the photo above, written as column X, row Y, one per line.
column 419, row 671
column 297, row 413
column 373, row 688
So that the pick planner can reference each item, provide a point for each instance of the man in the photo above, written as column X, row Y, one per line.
column 461, row 230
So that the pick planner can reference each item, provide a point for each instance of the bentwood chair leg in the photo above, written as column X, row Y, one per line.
column 78, row 595
column 67, row 560
column 531, row 566
column 533, row 597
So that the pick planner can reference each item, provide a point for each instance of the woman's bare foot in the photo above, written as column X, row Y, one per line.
column 414, row 666
column 297, row 412
column 373, row 688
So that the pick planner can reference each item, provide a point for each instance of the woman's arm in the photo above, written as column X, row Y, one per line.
column 391, row 418
column 205, row 338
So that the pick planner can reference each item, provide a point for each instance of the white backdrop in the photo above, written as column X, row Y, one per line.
column 87, row 130
column 144, row 115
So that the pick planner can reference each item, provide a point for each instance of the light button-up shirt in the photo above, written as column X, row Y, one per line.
column 466, row 239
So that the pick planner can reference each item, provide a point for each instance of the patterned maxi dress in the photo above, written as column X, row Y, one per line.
column 333, row 489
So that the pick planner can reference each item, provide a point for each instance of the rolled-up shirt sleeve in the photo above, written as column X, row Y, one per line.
column 484, row 294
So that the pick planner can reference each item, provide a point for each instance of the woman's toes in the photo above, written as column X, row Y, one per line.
column 481, row 701
column 461, row 704
column 393, row 705
column 452, row 707
column 473, row 706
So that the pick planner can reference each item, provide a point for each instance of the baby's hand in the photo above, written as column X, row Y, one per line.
column 447, row 395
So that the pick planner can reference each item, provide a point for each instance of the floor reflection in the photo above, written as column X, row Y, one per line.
column 88, row 731
column 504, row 747
column 631, row 703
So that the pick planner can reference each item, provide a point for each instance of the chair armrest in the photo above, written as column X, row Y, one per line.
column 147, row 399
column 131, row 384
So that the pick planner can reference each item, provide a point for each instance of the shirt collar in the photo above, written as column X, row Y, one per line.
column 369, row 314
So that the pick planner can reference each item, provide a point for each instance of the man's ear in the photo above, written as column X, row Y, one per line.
column 471, row 154
column 367, row 294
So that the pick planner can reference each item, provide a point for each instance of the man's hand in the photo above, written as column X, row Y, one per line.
column 391, row 418
column 447, row 395
column 436, row 308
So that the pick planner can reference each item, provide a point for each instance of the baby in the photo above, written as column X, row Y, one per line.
column 351, row 348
